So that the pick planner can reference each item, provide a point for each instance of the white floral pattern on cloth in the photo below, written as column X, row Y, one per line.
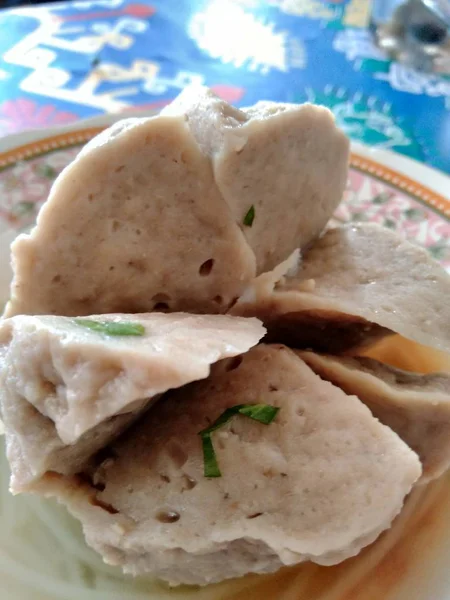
column 22, row 114
column 25, row 185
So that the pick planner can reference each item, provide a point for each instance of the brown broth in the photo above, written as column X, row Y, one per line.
column 409, row 356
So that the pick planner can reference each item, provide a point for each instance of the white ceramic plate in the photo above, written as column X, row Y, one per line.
column 382, row 187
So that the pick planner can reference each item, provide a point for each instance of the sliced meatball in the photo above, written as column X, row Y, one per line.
column 416, row 407
column 357, row 284
column 156, row 213
column 271, row 158
column 320, row 482
column 69, row 386
column 135, row 223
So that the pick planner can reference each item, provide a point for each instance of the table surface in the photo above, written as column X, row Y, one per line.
column 66, row 61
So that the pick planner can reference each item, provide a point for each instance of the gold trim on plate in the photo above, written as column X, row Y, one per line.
column 369, row 166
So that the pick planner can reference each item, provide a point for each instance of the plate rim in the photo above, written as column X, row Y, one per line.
column 428, row 185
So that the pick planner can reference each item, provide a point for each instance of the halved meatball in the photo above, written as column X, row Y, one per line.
column 357, row 284
column 69, row 386
column 415, row 406
column 320, row 482
column 180, row 211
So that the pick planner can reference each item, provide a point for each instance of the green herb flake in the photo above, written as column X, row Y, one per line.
column 115, row 328
column 210, row 468
column 226, row 416
column 263, row 413
column 250, row 216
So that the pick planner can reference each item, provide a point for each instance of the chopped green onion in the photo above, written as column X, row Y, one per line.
column 112, row 327
column 263, row 413
column 249, row 217
column 210, row 468
column 222, row 420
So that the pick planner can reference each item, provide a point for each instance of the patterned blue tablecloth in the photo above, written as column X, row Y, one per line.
column 61, row 62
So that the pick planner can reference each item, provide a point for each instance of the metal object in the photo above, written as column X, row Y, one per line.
column 414, row 32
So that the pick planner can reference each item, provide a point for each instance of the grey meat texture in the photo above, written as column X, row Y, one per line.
column 319, row 483
column 151, row 215
column 67, row 390
column 272, row 157
column 415, row 406
column 357, row 284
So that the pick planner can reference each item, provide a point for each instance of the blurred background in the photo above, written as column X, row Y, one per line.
column 382, row 66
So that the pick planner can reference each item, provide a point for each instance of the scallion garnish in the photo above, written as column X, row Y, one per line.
column 112, row 327
column 263, row 413
column 249, row 217
column 210, row 466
